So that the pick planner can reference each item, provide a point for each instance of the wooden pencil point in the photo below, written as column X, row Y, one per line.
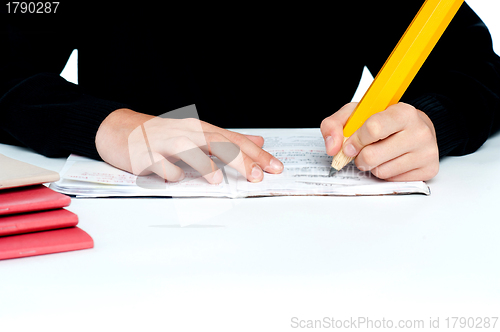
column 332, row 172
column 340, row 160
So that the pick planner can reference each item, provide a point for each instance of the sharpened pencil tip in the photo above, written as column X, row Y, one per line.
column 332, row 171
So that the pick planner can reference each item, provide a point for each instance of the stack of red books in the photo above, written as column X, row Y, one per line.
column 33, row 220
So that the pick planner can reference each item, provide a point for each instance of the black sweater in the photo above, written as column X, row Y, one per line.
column 266, row 69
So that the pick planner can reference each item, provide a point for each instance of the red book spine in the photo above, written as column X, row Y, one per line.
column 37, row 221
column 41, row 243
column 33, row 198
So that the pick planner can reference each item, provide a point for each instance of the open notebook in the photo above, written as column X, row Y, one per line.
column 302, row 152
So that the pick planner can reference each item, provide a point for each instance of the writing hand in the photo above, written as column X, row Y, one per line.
column 398, row 144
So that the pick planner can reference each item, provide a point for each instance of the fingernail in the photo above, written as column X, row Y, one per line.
column 256, row 173
column 217, row 177
column 329, row 143
column 349, row 150
column 274, row 166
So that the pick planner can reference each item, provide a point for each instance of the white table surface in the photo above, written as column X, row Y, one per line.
column 254, row 264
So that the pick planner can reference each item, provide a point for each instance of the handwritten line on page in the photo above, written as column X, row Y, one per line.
column 302, row 152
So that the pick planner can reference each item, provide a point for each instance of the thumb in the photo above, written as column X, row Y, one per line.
column 332, row 128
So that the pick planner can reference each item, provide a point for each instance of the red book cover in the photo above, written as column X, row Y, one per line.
column 33, row 198
column 41, row 243
column 37, row 221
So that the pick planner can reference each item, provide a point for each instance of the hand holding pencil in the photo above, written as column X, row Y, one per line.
column 377, row 117
column 398, row 144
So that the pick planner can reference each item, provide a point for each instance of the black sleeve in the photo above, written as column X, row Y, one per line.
column 38, row 108
column 458, row 86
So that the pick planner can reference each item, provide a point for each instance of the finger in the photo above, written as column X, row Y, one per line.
column 257, row 140
column 250, row 145
column 332, row 128
column 194, row 150
column 165, row 169
column 141, row 147
column 379, row 126
column 418, row 174
column 183, row 148
column 375, row 154
column 154, row 162
column 407, row 167
column 257, row 155
column 231, row 154
column 411, row 166
column 144, row 159
column 394, row 167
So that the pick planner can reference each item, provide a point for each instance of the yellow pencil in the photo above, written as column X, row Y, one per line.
column 401, row 67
